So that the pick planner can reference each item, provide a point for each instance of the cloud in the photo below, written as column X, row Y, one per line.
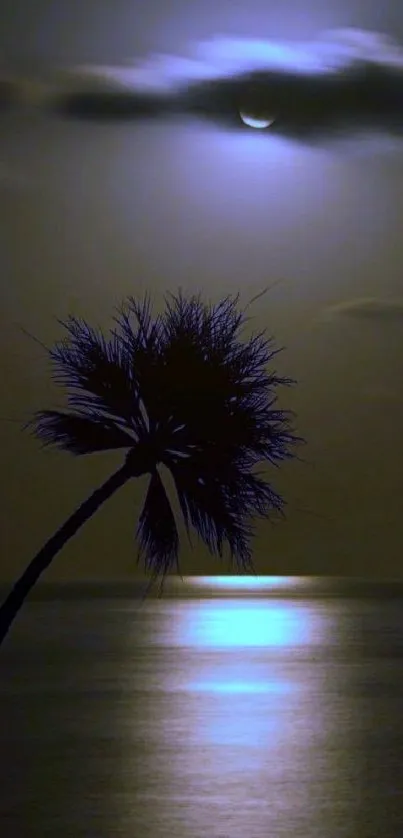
column 350, row 46
column 337, row 49
column 345, row 80
column 366, row 308
column 223, row 57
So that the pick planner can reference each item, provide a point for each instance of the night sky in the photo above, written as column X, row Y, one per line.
column 91, row 212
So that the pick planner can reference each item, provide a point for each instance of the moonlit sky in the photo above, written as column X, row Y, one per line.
column 92, row 212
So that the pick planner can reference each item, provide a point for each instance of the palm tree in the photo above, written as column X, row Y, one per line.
column 183, row 390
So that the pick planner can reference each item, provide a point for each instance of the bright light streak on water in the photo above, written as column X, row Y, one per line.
column 234, row 687
column 247, row 583
column 237, row 650
column 151, row 728
column 240, row 624
column 241, row 676
column 244, row 725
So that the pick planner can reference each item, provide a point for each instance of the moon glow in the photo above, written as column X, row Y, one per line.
column 255, row 122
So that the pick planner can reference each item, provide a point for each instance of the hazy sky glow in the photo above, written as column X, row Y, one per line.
column 91, row 211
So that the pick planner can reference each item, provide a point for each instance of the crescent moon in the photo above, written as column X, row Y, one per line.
column 253, row 122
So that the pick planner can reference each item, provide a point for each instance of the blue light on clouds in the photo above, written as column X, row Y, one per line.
column 237, row 55
column 222, row 57
column 219, row 57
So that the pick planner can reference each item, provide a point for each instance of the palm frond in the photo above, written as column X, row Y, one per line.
column 139, row 334
column 188, row 369
column 97, row 373
column 157, row 532
column 207, row 507
column 145, row 332
column 207, row 330
column 78, row 434
column 215, row 384
column 216, row 516
column 220, row 496
column 188, row 389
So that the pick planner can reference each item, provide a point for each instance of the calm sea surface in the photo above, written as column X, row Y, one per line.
column 183, row 718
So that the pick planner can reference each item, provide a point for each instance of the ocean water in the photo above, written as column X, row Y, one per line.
column 230, row 717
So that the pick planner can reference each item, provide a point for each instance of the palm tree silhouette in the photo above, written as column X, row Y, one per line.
column 183, row 390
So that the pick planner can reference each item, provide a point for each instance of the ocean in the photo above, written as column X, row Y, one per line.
column 244, row 713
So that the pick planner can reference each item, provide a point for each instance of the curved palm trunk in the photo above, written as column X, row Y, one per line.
column 42, row 560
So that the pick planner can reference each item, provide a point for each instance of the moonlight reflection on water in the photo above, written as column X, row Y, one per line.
column 247, row 584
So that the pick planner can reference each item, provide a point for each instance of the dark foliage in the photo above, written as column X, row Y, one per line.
column 187, row 390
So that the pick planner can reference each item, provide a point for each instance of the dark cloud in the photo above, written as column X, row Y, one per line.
column 368, row 308
column 347, row 80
